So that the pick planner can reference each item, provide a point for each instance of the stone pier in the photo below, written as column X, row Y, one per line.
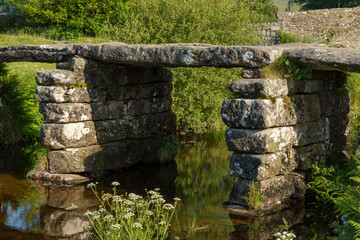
column 279, row 127
column 103, row 116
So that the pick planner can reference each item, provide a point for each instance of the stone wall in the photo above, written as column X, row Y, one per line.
column 338, row 26
column 270, row 34
column 279, row 127
column 102, row 116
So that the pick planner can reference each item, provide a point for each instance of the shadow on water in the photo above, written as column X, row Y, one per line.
column 199, row 176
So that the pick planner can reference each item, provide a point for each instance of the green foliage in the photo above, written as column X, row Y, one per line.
column 285, row 67
column 131, row 216
column 19, row 116
column 320, row 4
column 286, row 37
column 286, row 226
column 182, row 21
column 72, row 18
column 198, row 95
column 4, row 7
column 254, row 197
column 341, row 186
column 296, row 71
column 353, row 84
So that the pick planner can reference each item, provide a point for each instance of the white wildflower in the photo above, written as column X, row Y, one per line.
column 129, row 203
column 96, row 215
column 168, row 206
column 127, row 210
column 88, row 213
column 133, row 196
column 129, row 215
column 162, row 223
column 115, row 227
column 149, row 213
column 137, row 225
column 109, row 218
column 117, row 198
column 177, row 199
column 115, row 184
column 90, row 185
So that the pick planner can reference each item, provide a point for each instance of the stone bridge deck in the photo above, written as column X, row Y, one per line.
column 188, row 55
column 108, row 106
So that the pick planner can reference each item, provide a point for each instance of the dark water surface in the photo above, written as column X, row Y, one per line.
column 200, row 178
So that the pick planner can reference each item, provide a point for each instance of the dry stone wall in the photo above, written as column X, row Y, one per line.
column 279, row 127
column 338, row 26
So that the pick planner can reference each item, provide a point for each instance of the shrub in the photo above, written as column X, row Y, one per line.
column 72, row 16
column 131, row 216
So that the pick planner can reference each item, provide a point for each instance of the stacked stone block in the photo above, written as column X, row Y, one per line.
column 103, row 116
column 279, row 127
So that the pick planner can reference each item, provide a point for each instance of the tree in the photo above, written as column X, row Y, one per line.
column 320, row 4
column 4, row 7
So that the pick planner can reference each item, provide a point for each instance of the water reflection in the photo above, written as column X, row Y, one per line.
column 200, row 177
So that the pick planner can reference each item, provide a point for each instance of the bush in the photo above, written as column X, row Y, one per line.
column 74, row 16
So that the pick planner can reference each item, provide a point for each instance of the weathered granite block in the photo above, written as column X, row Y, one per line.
column 312, row 132
column 147, row 106
column 54, row 94
column 59, row 136
column 260, row 88
column 148, row 90
column 276, row 189
column 112, row 75
column 264, row 166
column 338, row 124
column 260, row 141
column 109, row 156
column 78, row 64
column 304, row 85
column 161, row 124
column 251, row 73
column 64, row 94
column 262, row 113
column 333, row 105
column 77, row 112
column 307, row 155
column 307, row 107
column 94, row 158
column 57, row 77
column 74, row 135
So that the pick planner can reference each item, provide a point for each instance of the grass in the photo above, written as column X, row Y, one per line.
column 282, row 5
column 10, row 39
